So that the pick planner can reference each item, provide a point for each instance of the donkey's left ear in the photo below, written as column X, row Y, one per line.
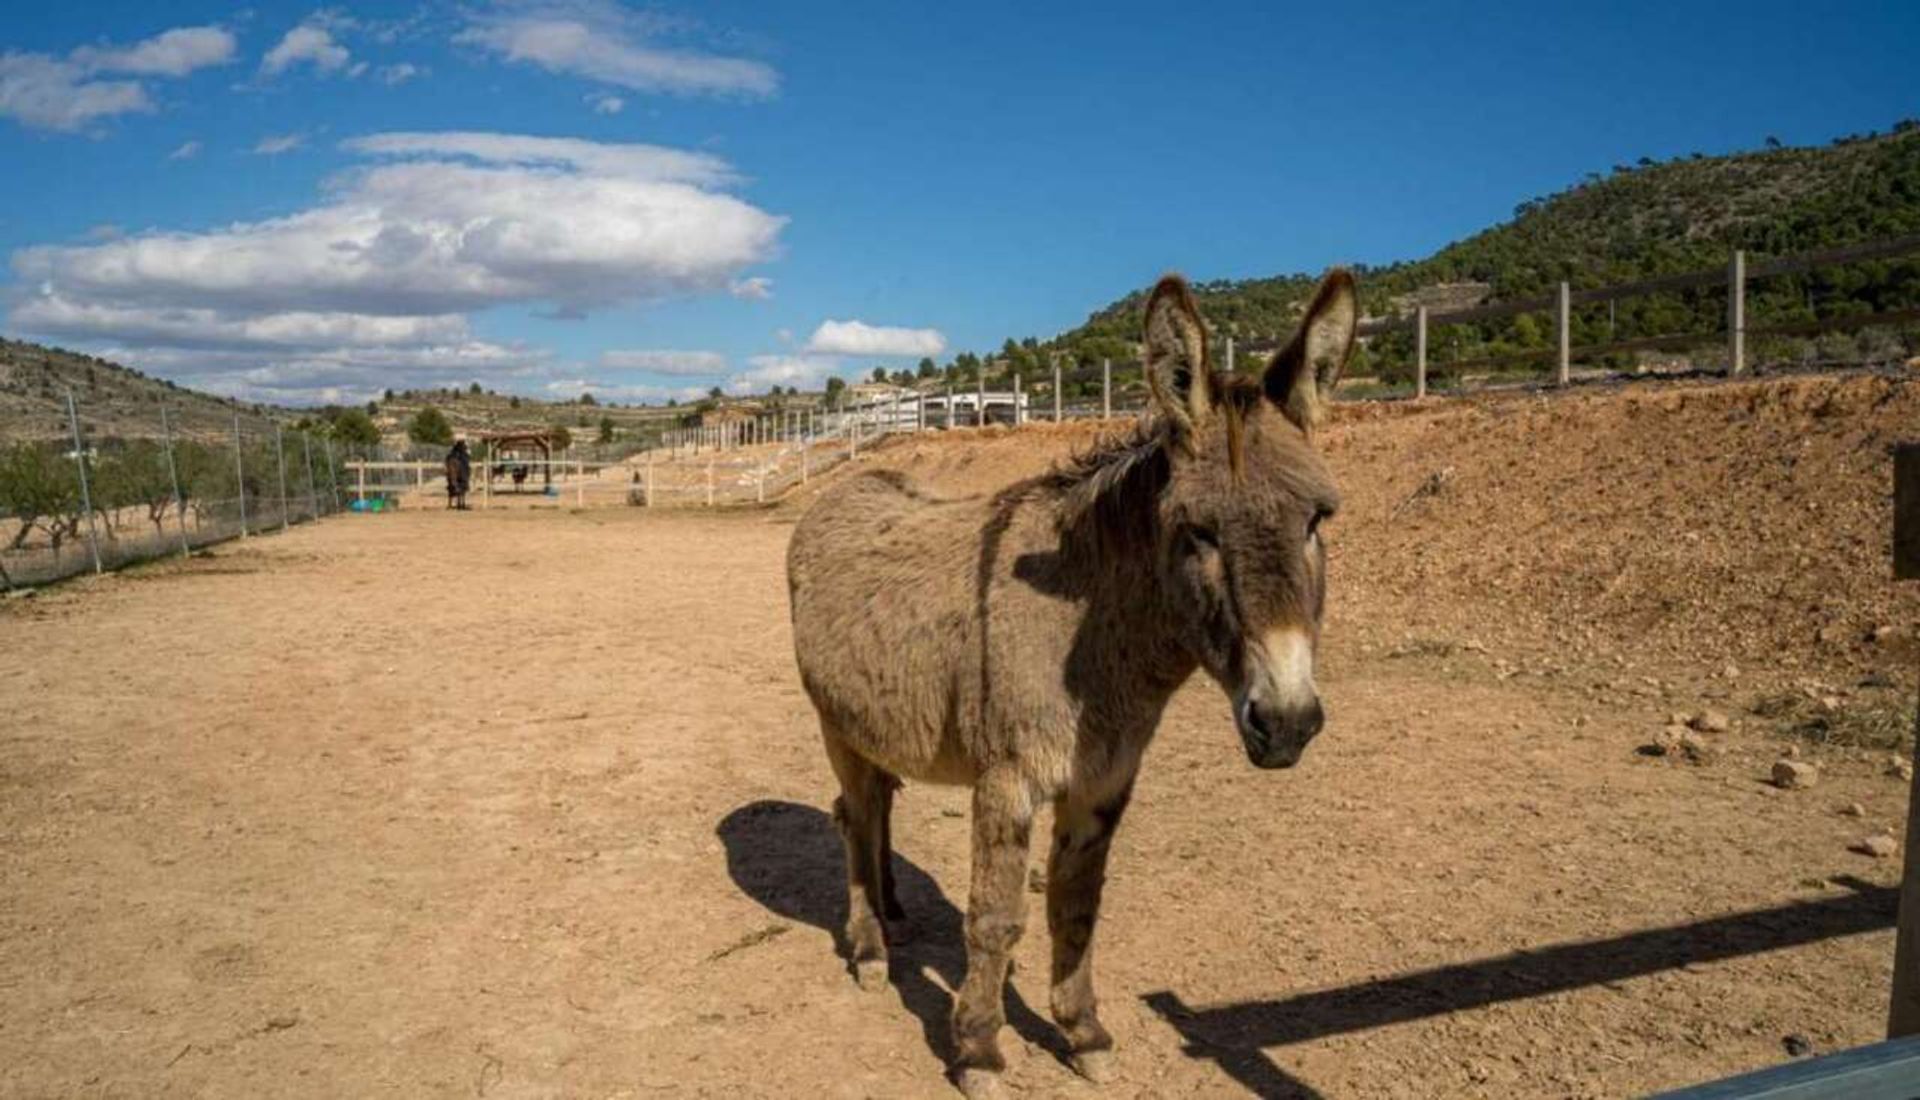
column 1301, row 377
column 1175, row 349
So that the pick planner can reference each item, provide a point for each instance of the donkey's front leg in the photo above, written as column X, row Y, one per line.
column 1076, row 873
column 996, row 915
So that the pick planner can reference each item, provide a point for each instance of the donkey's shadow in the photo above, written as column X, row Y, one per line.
column 788, row 857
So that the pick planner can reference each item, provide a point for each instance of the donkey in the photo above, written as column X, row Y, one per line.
column 459, row 469
column 1026, row 643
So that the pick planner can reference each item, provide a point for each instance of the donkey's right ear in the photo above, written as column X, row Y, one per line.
column 1175, row 350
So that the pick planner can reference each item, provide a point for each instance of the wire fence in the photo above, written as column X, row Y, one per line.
column 116, row 489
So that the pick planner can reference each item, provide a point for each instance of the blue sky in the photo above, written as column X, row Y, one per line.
column 305, row 204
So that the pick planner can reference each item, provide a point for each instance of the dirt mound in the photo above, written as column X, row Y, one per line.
column 1702, row 528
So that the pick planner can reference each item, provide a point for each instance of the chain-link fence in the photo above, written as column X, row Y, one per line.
column 94, row 498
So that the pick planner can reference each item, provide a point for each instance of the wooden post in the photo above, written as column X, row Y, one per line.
column 1737, row 313
column 709, row 480
column 1106, row 389
column 580, row 482
column 1056, row 389
column 1903, row 1017
column 313, row 501
column 805, row 450
column 1562, row 323
column 1229, row 355
column 280, row 456
column 1420, row 352
column 649, row 497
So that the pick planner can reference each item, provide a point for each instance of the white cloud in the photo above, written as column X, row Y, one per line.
column 274, row 144
column 665, row 361
column 187, row 151
column 52, row 93
column 629, row 161
column 860, row 338
column 394, row 75
column 606, row 103
column 309, row 43
column 611, row 44
column 105, row 231
column 390, row 264
column 809, row 372
column 568, row 389
column 170, row 53
column 753, row 288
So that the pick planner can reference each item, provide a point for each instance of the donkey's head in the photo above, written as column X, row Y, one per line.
column 1241, row 517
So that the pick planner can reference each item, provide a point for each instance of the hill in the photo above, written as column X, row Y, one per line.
column 1638, row 221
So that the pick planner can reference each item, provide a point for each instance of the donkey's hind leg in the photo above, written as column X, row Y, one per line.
column 861, row 811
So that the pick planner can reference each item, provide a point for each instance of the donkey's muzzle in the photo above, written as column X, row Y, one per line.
column 1276, row 736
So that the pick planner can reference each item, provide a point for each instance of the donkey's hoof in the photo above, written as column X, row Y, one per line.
column 871, row 974
column 980, row 1084
column 1098, row 1066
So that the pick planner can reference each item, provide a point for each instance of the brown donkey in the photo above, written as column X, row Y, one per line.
column 1025, row 644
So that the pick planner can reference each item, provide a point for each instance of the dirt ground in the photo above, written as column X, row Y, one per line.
column 530, row 803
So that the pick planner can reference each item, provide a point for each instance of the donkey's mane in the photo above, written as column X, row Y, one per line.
column 1120, row 465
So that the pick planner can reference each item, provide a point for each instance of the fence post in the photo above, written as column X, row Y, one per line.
column 1737, row 313
column 313, row 498
column 280, row 457
column 806, row 450
column 580, row 483
column 1056, row 389
column 919, row 411
column 1420, row 352
column 709, row 480
column 333, row 479
column 949, row 406
column 173, row 475
column 1106, row 389
column 240, row 476
column 1229, row 355
column 980, row 399
column 1903, row 1015
column 1017, row 418
column 86, row 494
column 1562, row 323
column 649, row 497
column 853, row 436
column 360, row 491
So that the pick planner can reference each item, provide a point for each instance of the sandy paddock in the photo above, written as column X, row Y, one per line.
column 530, row 803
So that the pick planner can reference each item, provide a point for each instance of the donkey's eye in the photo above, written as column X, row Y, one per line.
column 1202, row 537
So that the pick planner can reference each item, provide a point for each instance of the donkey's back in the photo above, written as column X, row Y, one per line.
column 885, row 621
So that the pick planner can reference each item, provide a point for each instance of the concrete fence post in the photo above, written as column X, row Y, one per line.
column 1056, row 389
column 240, row 476
column 1563, row 326
column 1420, row 352
column 1018, row 419
column 173, row 476
column 313, row 498
column 1737, row 313
column 1229, row 355
column 280, row 459
column 333, row 478
column 980, row 399
column 86, row 493
column 1106, row 389
column 949, row 406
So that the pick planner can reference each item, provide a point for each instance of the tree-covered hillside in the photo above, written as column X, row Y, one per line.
column 1634, row 222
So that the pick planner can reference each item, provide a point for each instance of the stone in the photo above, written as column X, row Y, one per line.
column 1852, row 809
column 1794, row 775
column 1879, row 847
column 1709, row 721
column 1900, row 766
column 1883, row 633
column 1797, row 1046
column 1694, row 747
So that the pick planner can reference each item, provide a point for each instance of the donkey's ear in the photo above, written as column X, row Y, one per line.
column 1301, row 377
column 1175, row 345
